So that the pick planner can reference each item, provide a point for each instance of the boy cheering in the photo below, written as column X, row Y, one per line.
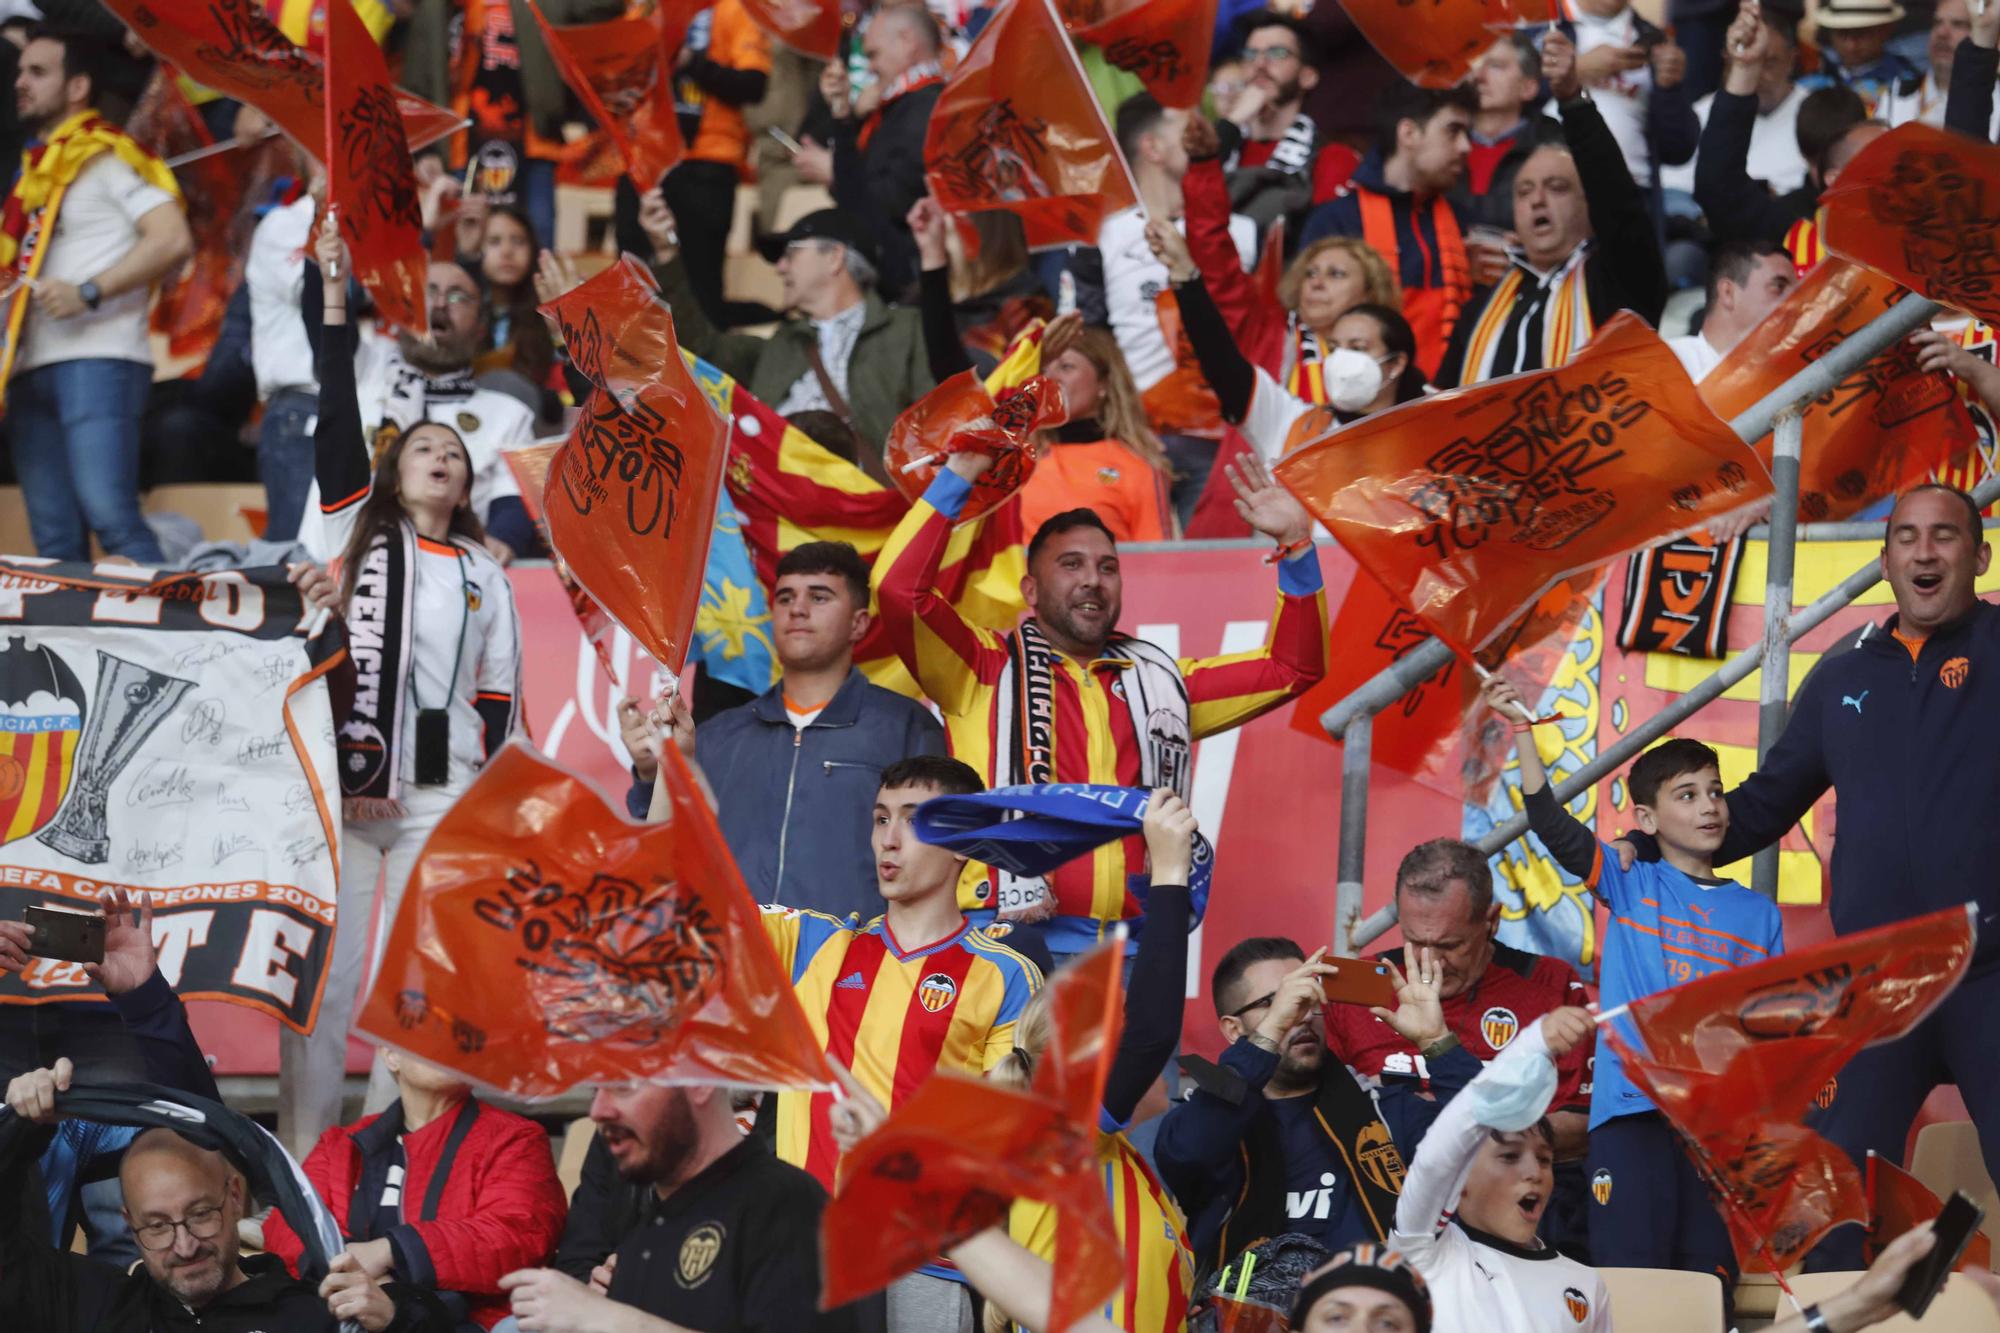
column 1672, row 921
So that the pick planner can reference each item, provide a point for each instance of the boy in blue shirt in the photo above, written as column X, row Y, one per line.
column 1672, row 921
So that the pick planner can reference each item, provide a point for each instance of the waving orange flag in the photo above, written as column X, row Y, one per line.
column 946, row 1163
column 1468, row 506
column 1162, row 43
column 1899, row 1202
column 623, row 72
column 631, row 498
column 547, row 942
column 961, row 414
column 1435, row 43
column 1018, row 129
column 810, row 27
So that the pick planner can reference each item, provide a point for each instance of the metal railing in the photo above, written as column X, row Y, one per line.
column 1351, row 719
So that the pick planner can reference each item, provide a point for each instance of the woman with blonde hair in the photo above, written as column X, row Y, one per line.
column 1106, row 457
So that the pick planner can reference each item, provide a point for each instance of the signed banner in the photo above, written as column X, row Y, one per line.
column 1734, row 1060
column 547, row 942
column 1886, row 426
column 1018, row 129
column 171, row 734
column 1921, row 204
column 1162, row 43
column 1468, row 506
column 1432, row 42
column 623, row 70
column 810, row 27
column 631, row 497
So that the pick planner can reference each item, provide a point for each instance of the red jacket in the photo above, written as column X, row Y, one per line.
column 498, row 1206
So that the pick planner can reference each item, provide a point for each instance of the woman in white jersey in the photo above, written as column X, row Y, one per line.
column 1490, row 1153
column 436, row 647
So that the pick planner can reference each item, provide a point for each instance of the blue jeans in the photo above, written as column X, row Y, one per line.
column 74, row 426
column 285, row 460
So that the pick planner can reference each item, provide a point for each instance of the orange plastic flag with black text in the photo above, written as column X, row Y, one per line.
column 1162, row 43
column 1433, row 44
column 1899, row 1202
column 622, row 70
column 810, row 27
column 371, row 180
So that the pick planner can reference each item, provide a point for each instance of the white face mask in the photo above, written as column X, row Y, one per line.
column 1353, row 379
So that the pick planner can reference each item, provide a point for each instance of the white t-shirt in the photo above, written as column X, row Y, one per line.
column 1697, row 354
column 1478, row 1287
column 275, row 271
column 1621, row 98
column 1134, row 279
column 1268, row 423
column 1774, row 147
column 97, row 225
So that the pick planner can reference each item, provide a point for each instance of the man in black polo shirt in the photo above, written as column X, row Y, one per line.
column 729, row 1238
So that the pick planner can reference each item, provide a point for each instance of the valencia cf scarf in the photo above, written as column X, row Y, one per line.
column 1677, row 597
column 379, row 632
column 1567, row 325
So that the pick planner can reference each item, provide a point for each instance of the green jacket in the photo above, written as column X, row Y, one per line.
column 888, row 372
column 427, row 54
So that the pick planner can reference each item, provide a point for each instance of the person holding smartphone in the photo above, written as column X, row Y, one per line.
column 437, row 697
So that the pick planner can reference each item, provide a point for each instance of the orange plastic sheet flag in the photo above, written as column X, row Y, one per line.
column 1017, row 128
column 1162, row 43
column 1885, row 427
column 1899, row 1202
column 949, row 1159
column 961, row 415
column 623, row 70
column 371, row 181
column 631, row 496
column 1469, row 505
column 1922, row 205
column 810, row 27
column 530, row 465
column 1735, row 1059
column 1432, row 42
column 547, row 942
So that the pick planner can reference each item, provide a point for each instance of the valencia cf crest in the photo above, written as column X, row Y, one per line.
column 467, row 423
column 41, row 718
column 936, row 992
column 1600, row 1186
column 698, row 1254
column 1499, row 1026
column 1379, row 1158
column 1578, row 1303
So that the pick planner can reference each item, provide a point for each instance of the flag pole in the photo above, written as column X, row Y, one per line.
column 332, row 141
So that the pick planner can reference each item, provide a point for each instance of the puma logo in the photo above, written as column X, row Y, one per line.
column 1853, row 701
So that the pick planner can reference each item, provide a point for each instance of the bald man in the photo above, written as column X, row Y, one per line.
column 183, row 1203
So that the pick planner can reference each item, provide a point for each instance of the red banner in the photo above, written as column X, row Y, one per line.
column 1734, row 1059
column 546, row 943
column 1922, row 204
column 1541, row 476
column 1899, row 1202
column 370, row 179
column 1886, row 426
column 1162, row 43
column 1018, row 129
column 810, row 27
column 1433, row 44
column 948, row 1160
column 631, row 496
column 623, row 71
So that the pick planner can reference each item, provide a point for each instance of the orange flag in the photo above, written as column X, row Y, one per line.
column 959, row 415
column 948, row 1160
column 1468, row 506
column 1886, row 426
column 623, row 71
column 1434, row 45
column 1018, row 129
column 631, row 497
column 1734, row 1059
column 1162, row 43
column 371, row 181
column 530, row 465
column 1921, row 204
column 547, row 942
column 1899, row 1202
column 810, row 27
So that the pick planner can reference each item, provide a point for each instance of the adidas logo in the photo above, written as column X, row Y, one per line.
column 852, row 981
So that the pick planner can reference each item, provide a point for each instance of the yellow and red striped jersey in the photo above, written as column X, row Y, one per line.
column 1805, row 242
column 892, row 1015
column 1152, row 1236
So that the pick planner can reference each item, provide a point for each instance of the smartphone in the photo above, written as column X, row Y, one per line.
column 76, row 937
column 433, row 747
column 785, row 141
column 1360, row 981
column 1954, row 1227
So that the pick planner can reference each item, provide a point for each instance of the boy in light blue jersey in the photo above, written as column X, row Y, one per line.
column 1672, row 921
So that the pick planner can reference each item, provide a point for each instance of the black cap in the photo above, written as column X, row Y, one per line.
column 828, row 224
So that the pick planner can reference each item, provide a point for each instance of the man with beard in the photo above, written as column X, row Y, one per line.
column 1277, row 1137
column 1067, row 698
column 1271, row 148
column 728, row 1237
column 415, row 380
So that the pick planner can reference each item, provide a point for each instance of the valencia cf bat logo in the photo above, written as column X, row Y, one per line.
column 42, row 711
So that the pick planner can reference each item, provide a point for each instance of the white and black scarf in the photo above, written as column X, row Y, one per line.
column 380, row 633
column 1293, row 153
column 1024, row 735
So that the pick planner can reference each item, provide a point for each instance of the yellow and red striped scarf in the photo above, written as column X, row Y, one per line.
column 1566, row 324
column 1805, row 242
column 1305, row 371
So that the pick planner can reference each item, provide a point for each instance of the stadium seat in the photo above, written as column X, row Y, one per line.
column 1960, row 1307
column 575, row 1144
column 218, row 508
column 1758, row 1296
column 1657, row 1300
column 1947, row 1158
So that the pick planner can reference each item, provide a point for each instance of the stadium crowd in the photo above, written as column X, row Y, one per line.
column 1396, row 1167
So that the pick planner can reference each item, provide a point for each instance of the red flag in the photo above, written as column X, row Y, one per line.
column 1920, row 204
column 1162, row 43
column 810, row 27
column 623, row 70
column 530, row 466
column 1734, row 1059
column 944, row 1165
column 370, row 180
column 1899, row 1202
column 1436, row 45
column 1468, row 506
column 631, row 496
column 547, row 942
column 961, row 415
column 1018, row 129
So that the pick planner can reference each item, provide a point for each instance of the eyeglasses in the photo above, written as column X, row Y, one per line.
column 1254, row 1004
column 457, row 296
column 1269, row 55
column 202, row 1223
